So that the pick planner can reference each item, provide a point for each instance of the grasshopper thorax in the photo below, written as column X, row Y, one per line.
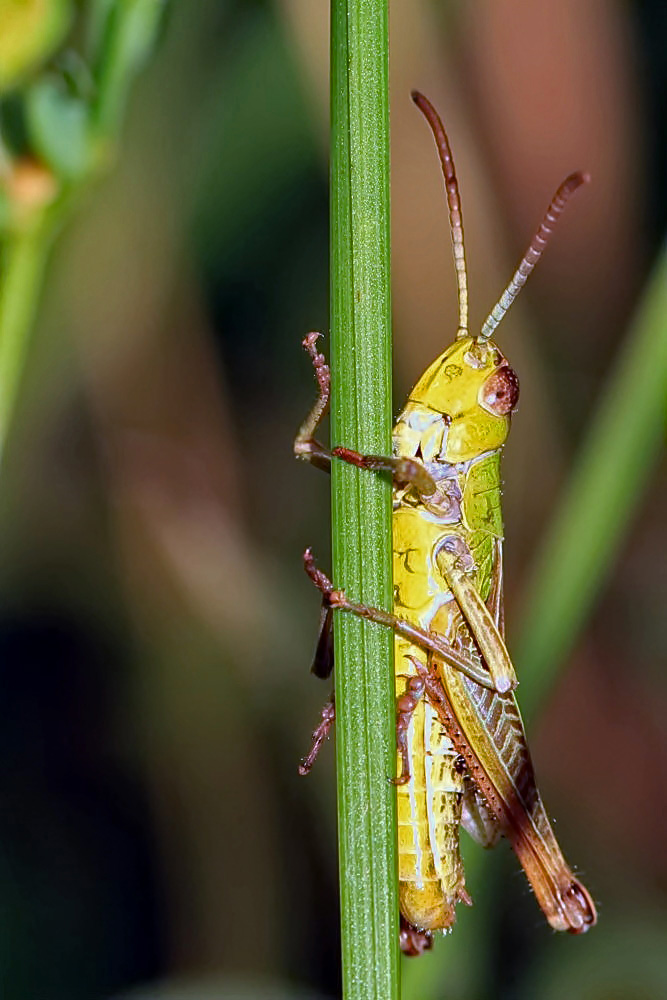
column 461, row 406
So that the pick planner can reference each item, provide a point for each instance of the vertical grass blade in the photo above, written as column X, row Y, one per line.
column 361, row 502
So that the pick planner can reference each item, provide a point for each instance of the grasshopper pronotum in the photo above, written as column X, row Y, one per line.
column 462, row 749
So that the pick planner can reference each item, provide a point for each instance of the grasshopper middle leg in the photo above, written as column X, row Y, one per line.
column 320, row 734
column 430, row 642
column 406, row 704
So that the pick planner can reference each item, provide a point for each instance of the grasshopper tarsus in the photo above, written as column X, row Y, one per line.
column 406, row 704
column 319, row 578
column 322, row 370
column 309, row 342
column 320, row 734
column 581, row 907
column 413, row 941
column 465, row 897
column 306, row 445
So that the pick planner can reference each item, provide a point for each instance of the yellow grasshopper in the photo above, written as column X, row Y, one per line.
column 462, row 749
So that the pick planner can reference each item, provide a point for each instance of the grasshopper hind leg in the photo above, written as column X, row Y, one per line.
column 323, row 664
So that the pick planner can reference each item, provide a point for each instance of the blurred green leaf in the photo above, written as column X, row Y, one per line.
column 58, row 126
column 5, row 210
column 31, row 31
column 217, row 987
column 61, row 126
column 627, row 962
column 129, row 36
column 623, row 441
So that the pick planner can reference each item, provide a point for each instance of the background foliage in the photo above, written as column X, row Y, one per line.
column 156, row 629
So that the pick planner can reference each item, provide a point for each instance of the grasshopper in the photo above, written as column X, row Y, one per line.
column 462, row 752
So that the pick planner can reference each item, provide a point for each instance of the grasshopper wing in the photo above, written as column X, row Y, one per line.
column 486, row 728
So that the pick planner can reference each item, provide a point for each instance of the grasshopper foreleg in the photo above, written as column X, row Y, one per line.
column 306, row 445
column 404, row 471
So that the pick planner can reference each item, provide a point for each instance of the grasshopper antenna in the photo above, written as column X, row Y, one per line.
column 533, row 253
column 453, row 204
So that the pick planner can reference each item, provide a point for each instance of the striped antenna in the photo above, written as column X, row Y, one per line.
column 533, row 253
column 453, row 204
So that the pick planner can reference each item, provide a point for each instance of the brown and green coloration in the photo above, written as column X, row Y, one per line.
column 462, row 751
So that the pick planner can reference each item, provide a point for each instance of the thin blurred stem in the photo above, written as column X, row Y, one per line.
column 129, row 31
column 21, row 271
column 614, row 462
column 361, row 503
column 130, row 28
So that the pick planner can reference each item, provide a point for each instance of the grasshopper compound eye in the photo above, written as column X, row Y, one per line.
column 500, row 392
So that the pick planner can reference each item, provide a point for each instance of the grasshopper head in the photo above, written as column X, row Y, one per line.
column 461, row 406
column 474, row 389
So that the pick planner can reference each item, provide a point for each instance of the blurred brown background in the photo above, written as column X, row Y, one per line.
column 156, row 625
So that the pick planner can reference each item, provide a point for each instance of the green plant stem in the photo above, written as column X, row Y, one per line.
column 612, row 467
column 361, row 503
column 21, row 271
column 130, row 27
